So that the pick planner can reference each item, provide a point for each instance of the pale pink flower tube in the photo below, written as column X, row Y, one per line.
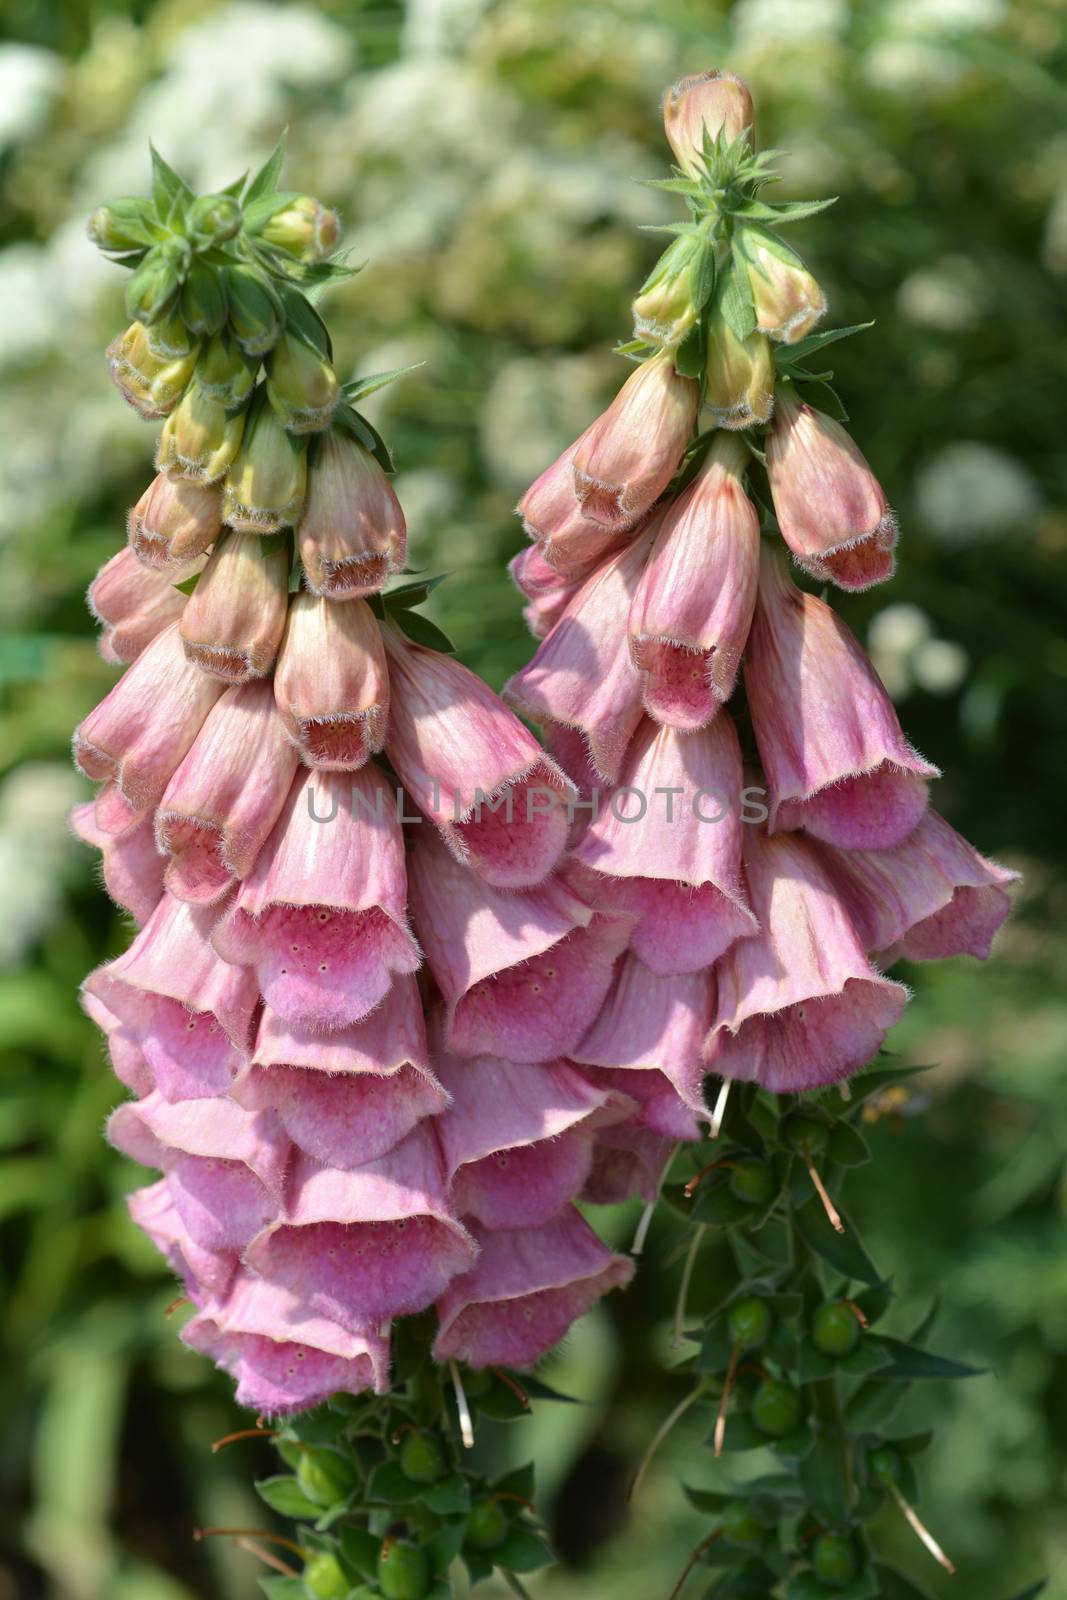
column 133, row 604
column 623, row 463
column 332, row 683
column 351, row 534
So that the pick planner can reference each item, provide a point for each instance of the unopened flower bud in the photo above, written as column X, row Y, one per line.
column 629, row 455
column 739, row 391
column 203, row 299
column 669, row 303
column 704, row 106
column 120, row 226
column 256, row 314
column 154, row 284
column 174, row 521
column 265, row 486
column 301, row 385
column 332, row 683
column 233, row 623
column 151, row 384
column 199, row 440
column 305, row 228
column 788, row 300
column 215, row 216
column 224, row 372
column 352, row 534
column 133, row 605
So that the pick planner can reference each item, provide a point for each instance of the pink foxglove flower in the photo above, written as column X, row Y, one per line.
column 830, row 507
column 522, row 972
column 526, row 1288
column 582, row 676
column 134, row 604
column 666, row 847
column 472, row 767
column 569, row 542
column 352, row 533
column 701, row 108
column 629, row 1160
column 363, row 1246
column 132, row 866
column 929, row 897
column 205, row 1273
column 332, row 682
column 200, row 438
column 174, row 522
column 189, row 1013
column 322, row 917
column 234, row 621
column 139, row 734
column 835, row 759
column 548, row 593
column 799, row 1005
column 787, row 299
column 225, row 798
column 623, row 463
column 692, row 610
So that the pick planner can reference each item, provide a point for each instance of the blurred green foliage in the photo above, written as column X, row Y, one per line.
column 482, row 154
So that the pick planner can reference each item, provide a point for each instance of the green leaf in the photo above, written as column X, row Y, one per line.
column 445, row 1546
column 822, row 1478
column 168, row 189
column 284, row 1495
column 842, row 1251
column 302, row 319
column 847, row 1146
column 448, row 1495
column 785, row 211
column 873, row 1403
column 818, row 341
column 283, row 1588
column 893, row 1585
column 388, row 1485
column 523, row 1551
column 1034, row 1590
column 908, row 1362
column 707, row 1499
column 360, row 388
column 823, row 396
column 689, row 356
column 422, row 631
column 187, row 585
column 364, row 432
column 874, row 1302
column 321, row 1426
column 258, row 213
column 266, row 179
column 360, row 1549
column 520, row 1481
column 406, row 595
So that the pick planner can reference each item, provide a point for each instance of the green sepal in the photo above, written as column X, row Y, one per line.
column 389, row 1486
column 734, row 301
column 303, row 320
column 203, row 300
column 420, row 630
column 266, row 179
column 522, row 1551
column 360, row 388
column 284, row 1495
column 170, row 193
column 785, row 211
column 359, row 1548
column 842, row 1251
column 909, row 1363
column 790, row 355
column 364, row 433
column 258, row 213
column 187, row 585
column 448, row 1496
column 443, row 1547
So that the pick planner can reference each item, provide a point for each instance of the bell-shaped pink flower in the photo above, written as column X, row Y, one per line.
column 629, row 1161
column 285, row 1357
column 830, row 506
column 666, row 847
column 132, row 866
column 522, row 972
column 701, row 108
column 174, row 521
column 224, row 799
column 692, row 611
column 225, row 1167
column 569, row 542
column 931, row 896
column 321, row 918
column 127, row 1057
column 835, row 759
column 623, row 463
column 133, row 604
column 139, row 734
column 524, row 1291
column 189, row 1013
column 332, row 683
column 345, row 1097
column 235, row 618
column 648, row 1042
column 517, row 1139
column 549, row 594
column 799, row 1005
column 472, row 767
column 581, row 675
column 360, row 1247
column 206, row 1274
column 352, row 533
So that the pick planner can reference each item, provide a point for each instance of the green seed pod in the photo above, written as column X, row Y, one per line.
column 256, row 314
column 487, row 1524
column 403, row 1570
column 833, row 1560
column 835, row 1328
column 325, row 1476
column 203, row 300
column 215, row 217
column 421, row 1458
column 754, row 1182
column 777, row 1408
column 324, row 1578
column 750, row 1321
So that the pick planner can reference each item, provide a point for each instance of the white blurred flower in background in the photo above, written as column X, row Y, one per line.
column 29, row 79
column 972, row 491
column 35, row 844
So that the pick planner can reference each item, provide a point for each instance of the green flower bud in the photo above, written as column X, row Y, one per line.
column 256, row 314
column 215, row 216
column 203, row 299
column 754, row 1182
column 833, row 1560
column 835, row 1328
column 749, row 1321
column 740, row 1525
column 788, row 300
column 305, row 228
column 265, row 487
column 225, row 373
column 199, row 440
column 153, row 385
column 421, row 1458
column 301, row 386
column 403, row 1570
column 169, row 338
column 777, row 1409
column 121, row 226
column 153, row 287
column 324, row 1578
column 325, row 1476
column 669, row 303
column 487, row 1524
column 739, row 387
